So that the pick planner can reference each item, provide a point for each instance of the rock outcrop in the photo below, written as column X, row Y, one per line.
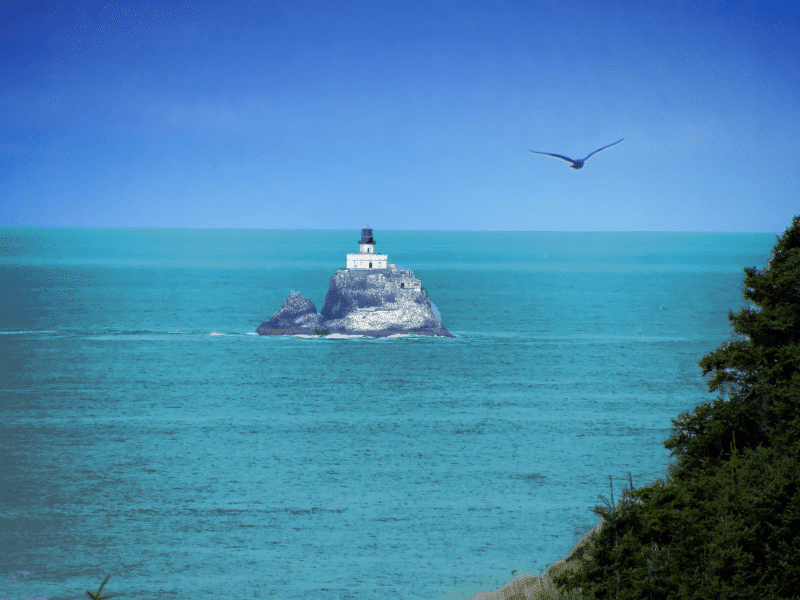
column 297, row 316
column 371, row 302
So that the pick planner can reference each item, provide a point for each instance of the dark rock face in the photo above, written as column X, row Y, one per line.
column 375, row 302
column 297, row 316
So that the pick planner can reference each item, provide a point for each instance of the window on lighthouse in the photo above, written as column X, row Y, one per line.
column 370, row 265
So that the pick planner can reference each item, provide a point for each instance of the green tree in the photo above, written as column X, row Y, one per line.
column 758, row 375
column 731, row 532
column 725, row 523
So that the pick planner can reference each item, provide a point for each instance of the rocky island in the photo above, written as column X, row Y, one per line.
column 370, row 297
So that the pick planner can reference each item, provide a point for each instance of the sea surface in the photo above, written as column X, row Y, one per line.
column 149, row 435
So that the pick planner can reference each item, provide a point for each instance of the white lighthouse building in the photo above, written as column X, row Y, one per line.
column 366, row 258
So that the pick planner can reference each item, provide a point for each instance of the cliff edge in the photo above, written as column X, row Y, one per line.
column 373, row 302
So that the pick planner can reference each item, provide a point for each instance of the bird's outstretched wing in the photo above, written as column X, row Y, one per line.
column 603, row 148
column 569, row 160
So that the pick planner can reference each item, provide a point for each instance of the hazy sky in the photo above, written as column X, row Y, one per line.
column 404, row 115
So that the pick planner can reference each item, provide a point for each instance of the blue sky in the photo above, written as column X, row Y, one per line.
column 404, row 115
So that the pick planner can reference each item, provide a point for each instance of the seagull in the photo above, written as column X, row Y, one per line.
column 577, row 164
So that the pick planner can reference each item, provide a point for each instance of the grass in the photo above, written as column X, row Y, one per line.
column 531, row 587
column 97, row 596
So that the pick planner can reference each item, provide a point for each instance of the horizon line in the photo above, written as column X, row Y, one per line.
column 381, row 229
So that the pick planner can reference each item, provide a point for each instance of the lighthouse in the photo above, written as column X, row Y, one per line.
column 366, row 258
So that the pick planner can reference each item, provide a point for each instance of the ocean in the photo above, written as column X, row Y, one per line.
column 149, row 435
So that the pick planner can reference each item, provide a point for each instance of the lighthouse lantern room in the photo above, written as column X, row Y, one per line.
column 366, row 258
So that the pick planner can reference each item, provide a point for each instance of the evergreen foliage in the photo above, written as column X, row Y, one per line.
column 726, row 522
column 760, row 373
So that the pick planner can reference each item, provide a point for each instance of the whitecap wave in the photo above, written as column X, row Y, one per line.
column 26, row 332
column 342, row 336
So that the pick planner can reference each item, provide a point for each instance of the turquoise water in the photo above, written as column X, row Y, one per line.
column 147, row 433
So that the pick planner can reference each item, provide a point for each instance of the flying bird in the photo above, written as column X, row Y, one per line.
column 577, row 164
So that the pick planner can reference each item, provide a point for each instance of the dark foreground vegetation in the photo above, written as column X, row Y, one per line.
column 726, row 522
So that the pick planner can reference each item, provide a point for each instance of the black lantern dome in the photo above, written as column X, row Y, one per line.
column 366, row 236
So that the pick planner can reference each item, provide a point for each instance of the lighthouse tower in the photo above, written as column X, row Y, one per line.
column 366, row 258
